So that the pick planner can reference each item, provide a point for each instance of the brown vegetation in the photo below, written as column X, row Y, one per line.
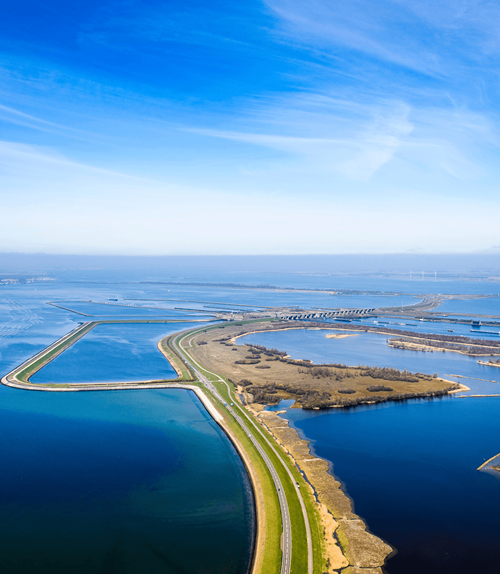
column 311, row 386
column 425, row 343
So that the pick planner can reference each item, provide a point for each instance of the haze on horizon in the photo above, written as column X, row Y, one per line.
column 263, row 127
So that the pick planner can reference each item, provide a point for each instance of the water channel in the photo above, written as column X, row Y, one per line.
column 410, row 467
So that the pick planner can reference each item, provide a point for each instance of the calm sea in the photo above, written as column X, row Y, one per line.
column 133, row 481
column 411, row 467
column 141, row 481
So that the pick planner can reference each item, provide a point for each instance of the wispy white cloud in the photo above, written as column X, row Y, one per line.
column 17, row 117
column 167, row 24
column 355, row 139
column 374, row 29
column 371, row 114
column 437, row 38
column 15, row 157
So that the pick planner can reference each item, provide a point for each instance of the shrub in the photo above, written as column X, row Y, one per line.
column 388, row 374
column 378, row 388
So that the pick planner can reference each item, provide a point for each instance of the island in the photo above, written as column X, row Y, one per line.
column 490, row 363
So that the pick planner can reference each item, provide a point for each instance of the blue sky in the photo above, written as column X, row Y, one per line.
column 273, row 126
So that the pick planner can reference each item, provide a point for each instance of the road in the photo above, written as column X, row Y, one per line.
column 285, row 514
column 286, row 545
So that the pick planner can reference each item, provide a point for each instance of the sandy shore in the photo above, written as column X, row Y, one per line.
column 462, row 389
column 488, row 461
column 426, row 348
column 348, row 543
column 489, row 364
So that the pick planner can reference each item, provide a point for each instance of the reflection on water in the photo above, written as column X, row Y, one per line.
column 411, row 467
column 133, row 481
column 283, row 404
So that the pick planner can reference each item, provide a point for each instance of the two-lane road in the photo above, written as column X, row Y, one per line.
column 285, row 514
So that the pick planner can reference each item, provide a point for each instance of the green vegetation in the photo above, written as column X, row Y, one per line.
column 32, row 368
column 272, row 530
column 187, row 374
column 476, row 348
column 271, row 557
column 299, row 549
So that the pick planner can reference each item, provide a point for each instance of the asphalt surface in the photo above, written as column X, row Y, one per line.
column 286, row 541
column 286, row 544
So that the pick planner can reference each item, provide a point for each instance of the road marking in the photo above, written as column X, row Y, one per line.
column 285, row 519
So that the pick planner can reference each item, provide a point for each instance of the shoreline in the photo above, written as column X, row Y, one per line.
column 397, row 396
column 488, row 461
column 463, row 388
column 361, row 548
column 352, row 544
column 489, row 364
column 39, row 360
column 408, row 346
column 257, row 496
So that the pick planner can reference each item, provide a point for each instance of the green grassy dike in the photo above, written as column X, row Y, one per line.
column 271, row 559
column 270, row 519
column 299, row 544
column 33, row 367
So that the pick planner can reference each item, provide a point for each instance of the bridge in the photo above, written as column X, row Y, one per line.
column 326, row 314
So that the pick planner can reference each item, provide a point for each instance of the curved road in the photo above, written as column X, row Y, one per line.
column 285, row 515
column 11, row 380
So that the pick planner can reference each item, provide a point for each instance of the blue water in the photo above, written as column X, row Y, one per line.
column 125, row 482
column 489, row 306
column 439, row 327
column 410, row 468
column 192, row 304
column 134, row 481
column 104, row 310
column 411, row 471
column 372, row 350
column 283, row 404
column 258, row 299
column 110, row 353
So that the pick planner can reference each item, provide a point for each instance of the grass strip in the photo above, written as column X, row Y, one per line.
column 271, row 556
column 299, row 541
column 32, row 368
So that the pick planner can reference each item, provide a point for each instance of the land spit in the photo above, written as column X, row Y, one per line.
column 348, row 543
column 490, row 364
column 264, row 376
column 430, row 345
column 20, row 376
column 350, row 547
